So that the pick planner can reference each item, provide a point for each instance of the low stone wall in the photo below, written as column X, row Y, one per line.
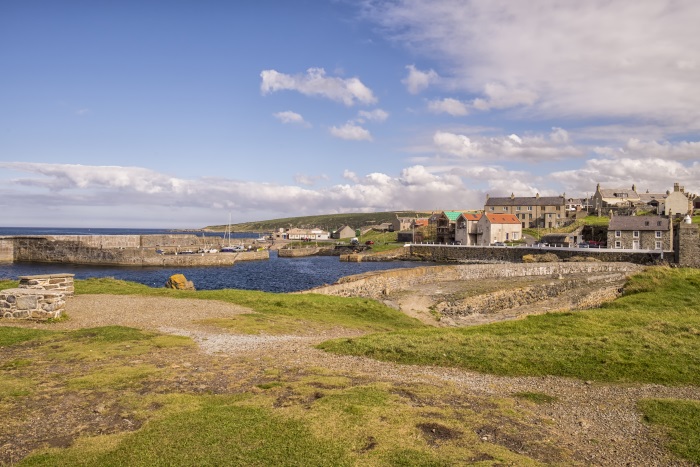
column 62, row 283
column 31, row 303
column 380, row 283
column 515, row 254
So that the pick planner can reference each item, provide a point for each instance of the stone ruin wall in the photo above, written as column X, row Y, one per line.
column 38, row 297
column 687, row 246
column 381, row 283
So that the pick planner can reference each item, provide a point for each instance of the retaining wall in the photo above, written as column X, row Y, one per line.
column 380, row 283
column 515, row 254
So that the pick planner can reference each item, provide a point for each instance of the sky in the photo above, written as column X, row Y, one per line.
column 181, row 113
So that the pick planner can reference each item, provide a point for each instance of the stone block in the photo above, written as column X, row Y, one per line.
column 28, row 302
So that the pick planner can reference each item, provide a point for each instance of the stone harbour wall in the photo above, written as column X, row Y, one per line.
column 7, row 249
column 515, row 254
column 381, row 283
column 123, row 250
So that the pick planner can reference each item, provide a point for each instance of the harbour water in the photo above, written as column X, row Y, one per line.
column 274, row 275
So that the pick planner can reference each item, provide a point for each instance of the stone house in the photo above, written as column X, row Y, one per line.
column 498, row 228
column 677, row 202
column 402, row 223
column 344, row 232
column 640, row 233
column 465, row 228
column 531, row 211
column 622, row 197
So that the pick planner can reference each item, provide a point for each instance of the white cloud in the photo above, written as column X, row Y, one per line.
column 506, row 148
column 315, row 83
column 449, row 106
column 377, row 115
column 351, row 131
column 652, row 174
column 309, row 180
column 606, row 59
column 418, row 80
column 683, row 150
column 291, row 117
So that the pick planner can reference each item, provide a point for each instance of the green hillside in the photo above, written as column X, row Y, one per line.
column 326, row 221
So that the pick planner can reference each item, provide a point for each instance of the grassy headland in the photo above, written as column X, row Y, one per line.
column 650, row 335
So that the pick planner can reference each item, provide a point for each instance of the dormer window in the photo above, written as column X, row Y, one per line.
column 646, row 223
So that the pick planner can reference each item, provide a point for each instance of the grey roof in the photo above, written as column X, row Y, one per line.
column 639, row 223
column 648, row 197
column 526, row 201
column 622, row 193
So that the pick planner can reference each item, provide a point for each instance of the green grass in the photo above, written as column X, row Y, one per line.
column 651, row 335
column 328, row 311
column 11, row 335
column 680, row 420
column 217, row 433
column 8, row 284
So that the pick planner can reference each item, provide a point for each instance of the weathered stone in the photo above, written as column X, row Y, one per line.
column 27, row 302
column 179, row 282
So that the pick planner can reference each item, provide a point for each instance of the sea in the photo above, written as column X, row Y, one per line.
column 273, row 275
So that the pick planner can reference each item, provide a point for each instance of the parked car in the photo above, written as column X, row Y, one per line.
column 369, row 242
column 498, row 244
column 583, row 245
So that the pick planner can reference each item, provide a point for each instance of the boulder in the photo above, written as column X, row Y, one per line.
column 179, row 282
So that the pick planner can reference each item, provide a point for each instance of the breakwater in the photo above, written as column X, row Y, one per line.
column 122, row 250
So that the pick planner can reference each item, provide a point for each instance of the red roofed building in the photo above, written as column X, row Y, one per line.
column 498, row 228
column 465, row 228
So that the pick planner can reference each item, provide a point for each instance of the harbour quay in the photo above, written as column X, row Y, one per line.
column 123, row 250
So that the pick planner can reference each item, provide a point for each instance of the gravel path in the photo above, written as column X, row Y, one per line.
column 597, row 421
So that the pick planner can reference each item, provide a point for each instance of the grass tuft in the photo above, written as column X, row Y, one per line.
column 680, row 419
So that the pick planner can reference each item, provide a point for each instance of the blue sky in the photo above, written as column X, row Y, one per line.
column 177, row 113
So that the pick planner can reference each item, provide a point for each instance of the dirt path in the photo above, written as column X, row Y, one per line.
column 598, row 422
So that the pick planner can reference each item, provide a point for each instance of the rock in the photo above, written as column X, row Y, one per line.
column 179, row 282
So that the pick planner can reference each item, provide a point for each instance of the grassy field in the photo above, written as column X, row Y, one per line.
column 168, row 405
column 651, row 335
column 274, row 313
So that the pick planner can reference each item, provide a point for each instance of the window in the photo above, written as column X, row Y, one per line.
column 618, row 233
column 530, row 216
column 658, row 223
column 618, row 244
column 529, row 208
column 658, row 234
column 505, row 208
column 517, row 208
column 635, row 234
column 491, row 208
column 658, row 245
column 646, row 222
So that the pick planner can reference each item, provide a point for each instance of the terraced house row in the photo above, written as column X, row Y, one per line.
column 503, row 218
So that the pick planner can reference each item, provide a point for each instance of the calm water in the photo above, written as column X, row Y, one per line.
column 274, row 275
